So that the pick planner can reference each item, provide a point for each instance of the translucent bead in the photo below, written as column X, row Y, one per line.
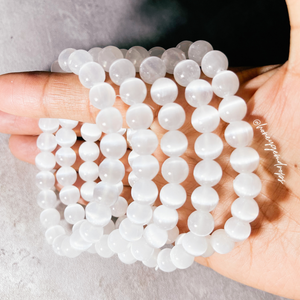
column 186, row 71
column 225, row 83
column 129, row 134
column 214, row 62
column 184, row 46
column 108, row 55
column 129, row 231
column 174, row 143
column 77, row 225
column 180, row 258
column 198, row 92
column 69, row 194
column 45, row 180
column 245, row 209
column 46, row 199
column 90, row 132
column 120, row 70
column 165, row 218
column 77, row 59
column 109, row 120
column 57, row 243
column 65, row 137
column 116, row 242
column 205, row 118
column 113, row 146
column 77, row 242
column 49, row 217
column 172, row 195
column 66, row 176
column 151, row 262
column 88, row 151
column 208, row 146
column 141, row 250
column 118, row 221
column 132, row 179
column 74, row 213
column 88, row 171
column 179, row 239
column 201, row 223
column 139, row 116
column 98, row 214
column 131, row 157
column 55, row 67
column 198, row 49
column 90, row 233
column 157, row 51
column 63, row 59
column 247, row 185
column 95, row 53
column 145, row 167
column 164, row 261
column 210, row 250
column 156, row 237
column 205, row 198
column 69, row 124
column 65, row 157
column 136, row 55
column 87, row 190
column 45, row 161
column 144, row 191
column 144, row 142
column 91, row 74
column 221, row 242
column 46, row 142
column 194, row 244
column 175, row 170
column 163, row 91
column 53, row 232
column 102, row 95
column 208, row 172
column 239, row 134
column 67, row 250
column 48, row 125
column 237, row 229
column 244, row 160
column 232, row 108
column 127, row 257
column 171, row 57
column 151, row 69
column 102, row 247
column 132, row 91
column 106, row 194
column 171, row 116
column 172, row 235
column 111, row 171
column 139, row 213
column 107, row 229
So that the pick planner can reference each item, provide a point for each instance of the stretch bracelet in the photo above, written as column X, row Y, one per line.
column 140, row 231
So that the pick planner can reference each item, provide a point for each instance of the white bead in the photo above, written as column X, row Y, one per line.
column 141, row 250
column 186, row 71
column 102, row 95
column 139, row 116
column 164, row 261
column 131, row 157
column 205, row 198
column 156, row 237
column 133, row 90
column 66, row 176
column 67, row 250
column 144, row 142
column 232, row 108
column 144, row 191
column 173, row 143
column 179, row 239
column 127, row 257
column 55, row 67
column 49, row 217
column 171, row 57
column 129, row 134
column 136, row 55
column 198, row 49
column 106, row 194
column 95, row 53
column 63, row 59
column 65, row 157
column 77, row 242
column 89, row 151
column 90, row 132
column 87, row 190
column 102, row 247
column 145, row 167
column 194, row 244
column 198, row 92
column 247, row 185
column 116, row 242
column 109, row 120
column 98, row 214
column 119, row 186
column 157, row 51
column 139, row 213
column 48, row 125
column 53, row 232
column 175, row 170
column 208, row 146
column 77, row 59
column 173, row 195
column 91, row 74
column 108, row 228
column 69, row 124
column 245, row 209
column 165, row 218
column 77, row 225
column 151, row 262
column 208, row 172
column 151, row 69
column 108, row 55
column 184, row 46
column 74, row 213
column 214, row 62
column 129, row 231
column 221, row 242
column 57, row 243
column 172, row 235
column 132, row 179
column 180, row 258
column 201, row 223
column 89, row 232
column 120, row 70
column 45, row 180
column 239, row 134
column 69, row 194
column 45, row 161
column 225, row 83
column 237, row 229
column 244, row 160
column 46, row 199
column 210, row 250
column 111, row 171
column 88, row 171
column 113, row 145
column 66, row 137
column 205, row 118
column 46, row 142
column 163, row 91
column 171, row 116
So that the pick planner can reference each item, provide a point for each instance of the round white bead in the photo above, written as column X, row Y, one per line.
column 208, row 172
column 46, row 142
column 172, row 235
column 133, row 90
column 74, row 213
column 245, row 209
column 116, row 242
column 113, row 145
column 57, row 243
column 67, row 250
column 214, row 62
column 208, row 146
column 77, row 59
column 156, row 237
column 171, row 116
column 90, row 132
column 119, row 208
column 108, row 55
column 87, row 190
column 77, row 242
column 131, row 157
column 145, row 167
column 201, row 223
column 194, row 244
column 225, row 83
column 151, row 262
column 69, row 194
column 247, row 185
column 45, row 161
column 198, row 49
column 69, row 124
column 175, row 170
column 53, row 232
column 186, row 71
column 45, row 180
column 139, row 213
column 77, row 225
column 239, row 134
column 63, row 59
column 173, row 143
column 157, row 51
column 130, row 231
column 172, row 195
column 132, row 179
column 109, row 120
column 184, row 46
column 141, row 250
column 171, row 57
column 66, row 137
column 151, row 69
column 237, row 229
column 89, row 151
column 48, row 125
column 111, row 171
column 221, row 241
column 144, row 191
column 244, row 160
column 136, row 55
column 144, row 142
column 163, row 91
column 46, row 199
column 180, row 258
column 89, row 232
column 102, row 247
column 164, row 261
column 95, row 53
column 232, row 108
column 102, row 95
column 127, row 257
column 120, row 70
column 165, row 218
column 205, row 118
column 66, row 176
column 106, row 194
column 88, row 171
column 198, row 92
column 139, row 116
column 49, row 217
column 91, row 74
column 98, row 214
column 205, row 198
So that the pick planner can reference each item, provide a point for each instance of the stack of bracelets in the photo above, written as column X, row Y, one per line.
column 142, row 231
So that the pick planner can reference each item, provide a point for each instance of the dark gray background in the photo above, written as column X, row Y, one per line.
column 32, row 34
